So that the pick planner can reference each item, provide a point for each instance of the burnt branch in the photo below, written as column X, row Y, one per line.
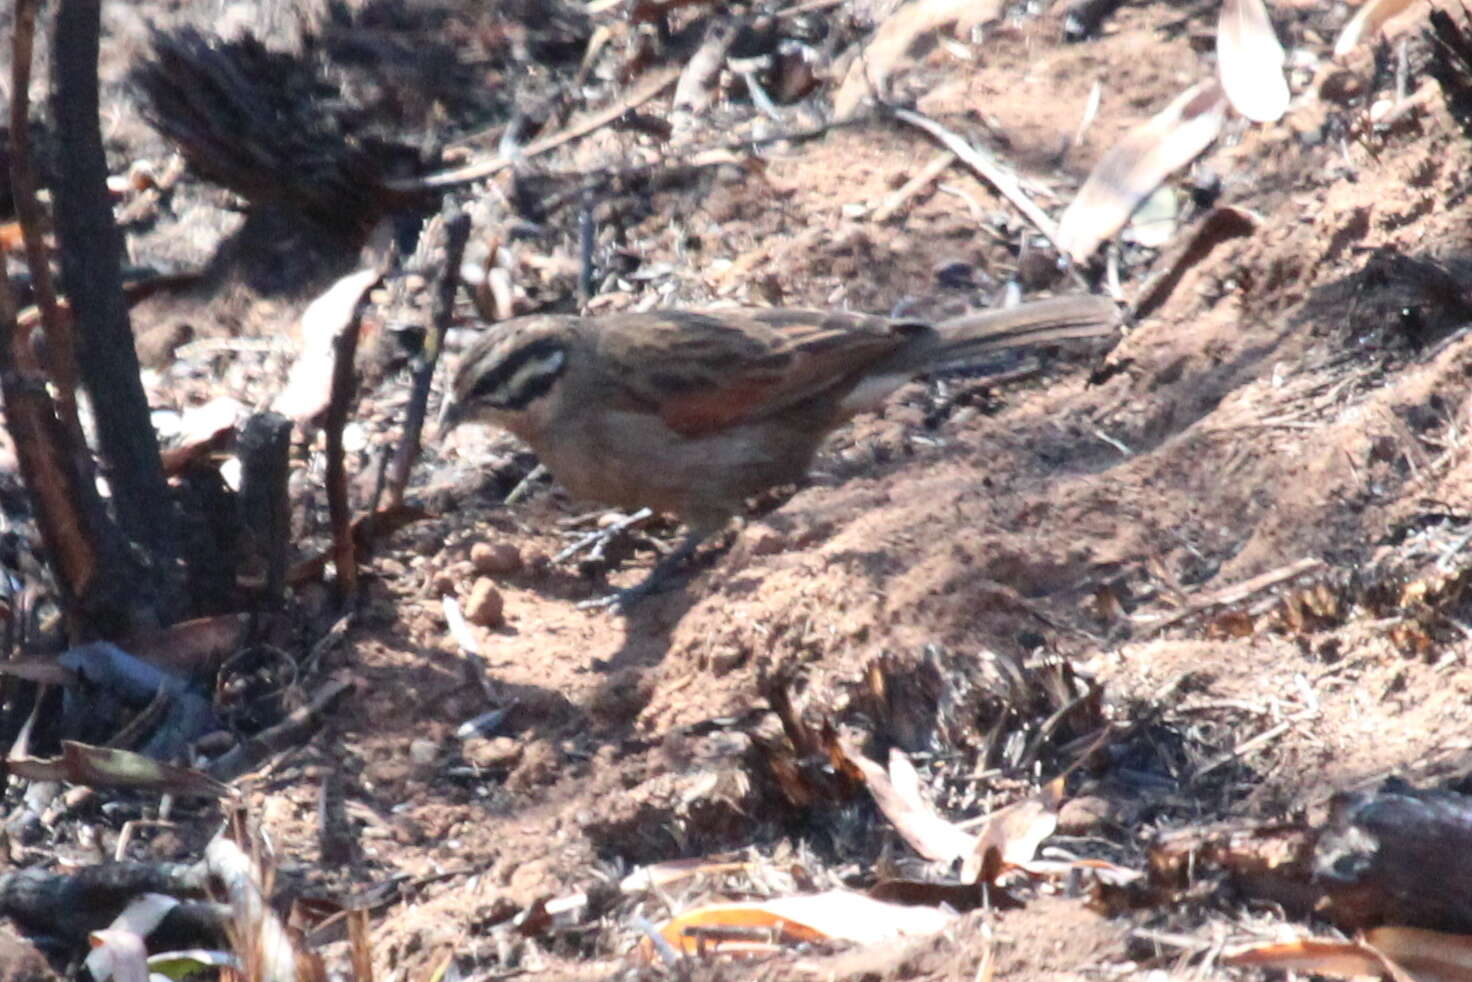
column 91, row 251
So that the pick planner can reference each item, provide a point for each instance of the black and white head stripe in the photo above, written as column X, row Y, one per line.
column 525, row 373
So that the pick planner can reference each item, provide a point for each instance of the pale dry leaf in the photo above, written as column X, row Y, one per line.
column 262, row 940
column 1343, row 959
column 1427, row 956
column 1366, row 23
column 897, row 794
column 892, row 43
column 732, row 929
column 111, row 767
column 1016, row 831
column 661, row 876
column 117, row 956
column 1136, row 166
column 309, row 384
column 1250, row 61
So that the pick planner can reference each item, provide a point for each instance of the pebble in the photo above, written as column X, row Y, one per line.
column 444, row 583
column 485, row 606
column 766, row 542
column 492, row 752
column 423, row 751
column 495, row 559
column 1085, row 815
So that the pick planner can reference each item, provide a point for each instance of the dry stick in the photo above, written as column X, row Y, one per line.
column 264, row 449
column 344, row 556
column 1237, row 592
column 990, row 169
column 457, row 233
column 290, row 732
column 656, row 83
column 61, row 497
column 1246, row 747
column 60, row 345
column 915, row 185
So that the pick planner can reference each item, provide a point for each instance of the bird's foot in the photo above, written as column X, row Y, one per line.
column 594, row 543
column 657, row 580
column 621, row 601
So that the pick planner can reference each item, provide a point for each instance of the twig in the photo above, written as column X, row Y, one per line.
column 656, row 83
column 60, row 342
column 457, row 233
column 1234, row 594
column 284, row 735
column 63, row 500
column 340, row 513
column 932, row 170
column 990, row 169
column 695, row 88
column 1247, row 746
column 524, row 486
column 759, row 96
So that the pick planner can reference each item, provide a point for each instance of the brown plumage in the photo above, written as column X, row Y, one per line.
column 693, row 412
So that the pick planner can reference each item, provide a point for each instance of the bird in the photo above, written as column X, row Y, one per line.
column 693, row 412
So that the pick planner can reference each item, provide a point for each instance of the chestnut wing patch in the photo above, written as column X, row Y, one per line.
column 704, row 372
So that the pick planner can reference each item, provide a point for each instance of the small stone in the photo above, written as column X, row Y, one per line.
column 539, row 564
column 495, row 559
column 726, row 659
column 1085, row 815
column 766, row 542
column 444, row 583
column 485, row 606
column 423, row 751
column 492, row 753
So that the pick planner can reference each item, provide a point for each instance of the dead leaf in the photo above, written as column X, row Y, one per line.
column 960, row 897
column 104, row 767
column 309, row 384
column 747, row 929
column 1366, row 23
column 11, row 239
column 888, row 50
column 367, row 528
column 117, row 956
column 189, row 647
column 1136, row 166
column 203, row 430
column 660, row 876
column 1015, row 832
column 1405, row 954
column 264, row 943
column 1101, row 870
column 1342, row 958
column 1424, row 955
column 898, row 796
column 1250, row 61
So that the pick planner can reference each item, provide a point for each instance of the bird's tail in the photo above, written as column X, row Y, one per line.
column 1073, row 318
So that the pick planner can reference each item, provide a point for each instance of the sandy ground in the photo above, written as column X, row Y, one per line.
column 1299, row 395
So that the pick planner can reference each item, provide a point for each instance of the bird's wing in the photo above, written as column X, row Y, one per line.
column 702, row 371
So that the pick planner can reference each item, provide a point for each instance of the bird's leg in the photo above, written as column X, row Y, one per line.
column 598, row 541
column 656, row 580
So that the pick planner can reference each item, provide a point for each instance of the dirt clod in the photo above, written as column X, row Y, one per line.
column 485, row 605
column 495, row 558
